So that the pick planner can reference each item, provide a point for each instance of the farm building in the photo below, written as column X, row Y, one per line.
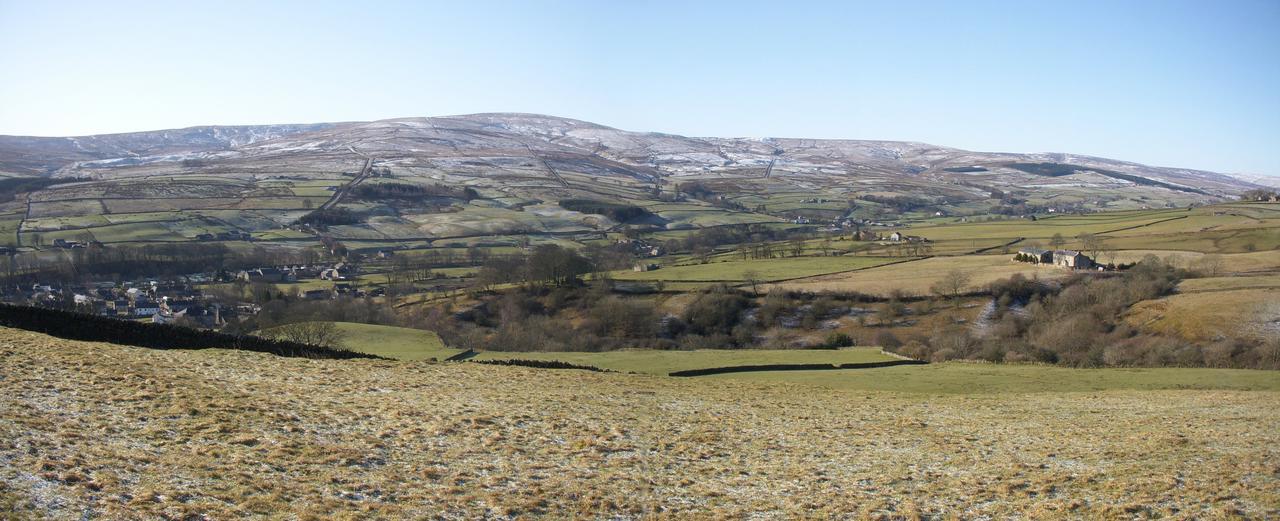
column 262, row 275
column 1071, row 259
column 318, row 294
column 145, row 308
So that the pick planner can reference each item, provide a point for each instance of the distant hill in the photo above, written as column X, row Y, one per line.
column 43, row 155
column 506, row 143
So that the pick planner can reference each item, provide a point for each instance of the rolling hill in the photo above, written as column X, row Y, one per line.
column 543, row 148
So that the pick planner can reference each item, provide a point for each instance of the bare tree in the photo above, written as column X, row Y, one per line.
column 952, row 285
column 1057, row 241
column 1090, row 243
column 323, row 334
column 1210, row 265
column 752, row 277
column 797, row 246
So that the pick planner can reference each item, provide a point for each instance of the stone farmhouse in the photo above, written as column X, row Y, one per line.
column 1064, row 258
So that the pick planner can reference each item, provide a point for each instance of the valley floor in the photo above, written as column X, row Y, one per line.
column 93, row 430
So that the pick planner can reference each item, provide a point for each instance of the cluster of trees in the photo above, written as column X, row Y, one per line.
column 1079, row 323
column 755, row 239
column 1260, row 194
column 582, row 318
column 618, row 212
column 901, row 203
column 406, row 191
column 10, row 187
column 547, row 264
column 322, row 218
column 696, row 189
column 592, row 319
column 705, row 192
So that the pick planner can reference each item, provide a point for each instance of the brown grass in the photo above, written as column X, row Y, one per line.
column 1207, row 315
column 113, row 432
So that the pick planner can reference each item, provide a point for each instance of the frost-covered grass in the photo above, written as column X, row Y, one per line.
column 110, row 432
column 971, row 377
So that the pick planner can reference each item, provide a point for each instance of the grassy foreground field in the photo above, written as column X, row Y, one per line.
column 92, row 430
column 665, row 362
column 978, row 378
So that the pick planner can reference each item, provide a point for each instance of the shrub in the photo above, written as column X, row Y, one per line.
column 887, row 340
column 715, row 311
column 837, row 340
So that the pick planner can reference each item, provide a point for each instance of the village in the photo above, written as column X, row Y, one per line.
column 185, row 299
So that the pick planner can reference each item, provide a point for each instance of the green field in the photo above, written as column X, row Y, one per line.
column 664, row 362
column 1067, row 225
column 766, row 269
column 400, row 343
column 981, row 378
column 917, row 277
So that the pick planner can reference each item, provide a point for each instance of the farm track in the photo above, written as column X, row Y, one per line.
column 342, row 192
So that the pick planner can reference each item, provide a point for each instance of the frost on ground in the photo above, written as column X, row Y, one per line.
column 108, row 432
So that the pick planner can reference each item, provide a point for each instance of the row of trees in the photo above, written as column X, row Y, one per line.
column 547, row 264
column 406, row 191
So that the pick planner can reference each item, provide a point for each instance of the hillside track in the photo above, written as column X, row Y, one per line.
column 342, row 192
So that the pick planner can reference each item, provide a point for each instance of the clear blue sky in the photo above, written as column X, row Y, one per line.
column 1194, row 84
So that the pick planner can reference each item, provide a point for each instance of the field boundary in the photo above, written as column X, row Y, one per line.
column 864, row 268
column 792, row 367
column 541, row 364
column 980, row 251
column 93, row 328
column 462, row 356
column 1126, row 228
